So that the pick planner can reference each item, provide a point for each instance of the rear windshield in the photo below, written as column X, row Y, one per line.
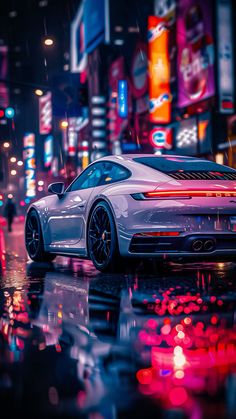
column 179, row 164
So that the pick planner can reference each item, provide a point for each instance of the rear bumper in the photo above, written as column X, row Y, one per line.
column 208, row 245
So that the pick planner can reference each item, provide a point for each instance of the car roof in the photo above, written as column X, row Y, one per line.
column 125, row 157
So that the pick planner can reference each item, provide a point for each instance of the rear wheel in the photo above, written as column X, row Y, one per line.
column 102, row 239
column 34, row 239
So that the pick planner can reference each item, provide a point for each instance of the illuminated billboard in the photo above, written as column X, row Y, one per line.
column 225, row 56
column 30, row 165
column 48, row 151
column 195, row 63
column 159, row 71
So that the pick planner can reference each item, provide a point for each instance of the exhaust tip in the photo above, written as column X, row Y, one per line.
column 209, row 245
column 197, row 245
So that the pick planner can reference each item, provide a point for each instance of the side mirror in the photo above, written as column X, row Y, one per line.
column 57, row 188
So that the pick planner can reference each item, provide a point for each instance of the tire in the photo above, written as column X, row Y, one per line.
column 102, row 239
column 34, row 239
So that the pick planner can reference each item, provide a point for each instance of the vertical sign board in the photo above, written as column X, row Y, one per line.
column 30, row 166
column 45, row 113
column 48, row 151
column 122, row 98
column 159, row 71
column 195, row 63
column 4, row 93
column 225, row 56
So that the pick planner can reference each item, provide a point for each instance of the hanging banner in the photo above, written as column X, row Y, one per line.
column 225, row 56
column 45, row 113
column 30, row 166
column 159, row 71
column 195, row 64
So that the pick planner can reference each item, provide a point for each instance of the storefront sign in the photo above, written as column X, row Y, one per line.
column 225, row 56
column 159, row 71
column 195, row 64
column 30, row 166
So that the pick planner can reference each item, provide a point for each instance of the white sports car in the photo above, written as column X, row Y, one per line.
column 137, row 206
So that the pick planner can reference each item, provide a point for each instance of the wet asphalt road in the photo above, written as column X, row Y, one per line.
column 75, row 343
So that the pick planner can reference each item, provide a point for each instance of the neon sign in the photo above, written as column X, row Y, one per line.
column 48, row 150
column 30, row 166
column 122, row 98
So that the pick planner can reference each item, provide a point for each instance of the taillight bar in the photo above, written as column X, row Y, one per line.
column 185, row 194
column 158, row 234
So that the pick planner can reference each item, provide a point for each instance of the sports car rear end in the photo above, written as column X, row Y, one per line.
column 191, row 216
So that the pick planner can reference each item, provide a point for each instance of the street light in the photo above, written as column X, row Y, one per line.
column 48, row 42
column 38, row 92
column 20, row 163
column 6, row 144
column 13, row 172
column 64, row 124
column 13, row 159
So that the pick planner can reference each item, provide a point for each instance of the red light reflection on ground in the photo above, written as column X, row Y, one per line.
column 191, row 340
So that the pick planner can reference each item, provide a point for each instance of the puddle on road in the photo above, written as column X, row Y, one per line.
column 78, row 343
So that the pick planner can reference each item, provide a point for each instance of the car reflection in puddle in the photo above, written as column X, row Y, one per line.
column 86, row 344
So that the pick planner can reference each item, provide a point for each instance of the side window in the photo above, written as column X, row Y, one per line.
column 89, row 178
column 113, row 173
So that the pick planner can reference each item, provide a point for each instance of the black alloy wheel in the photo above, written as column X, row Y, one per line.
column 34, row 239
column 102, row 239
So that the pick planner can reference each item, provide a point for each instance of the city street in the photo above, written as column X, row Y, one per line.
column 79, row 343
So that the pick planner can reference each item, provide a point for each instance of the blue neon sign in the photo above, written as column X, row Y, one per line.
column 122, row 98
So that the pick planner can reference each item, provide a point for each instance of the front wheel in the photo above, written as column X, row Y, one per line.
column 102, row 239
column 34, row 239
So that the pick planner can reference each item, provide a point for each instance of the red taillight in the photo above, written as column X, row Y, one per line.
column 190, row 194
column 158, row 233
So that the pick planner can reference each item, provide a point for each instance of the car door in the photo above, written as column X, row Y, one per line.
column 67, row 214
